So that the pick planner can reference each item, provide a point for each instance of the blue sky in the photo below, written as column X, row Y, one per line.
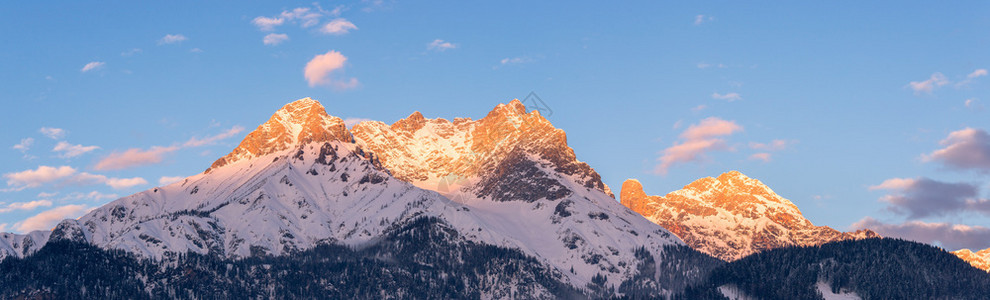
column 824, row 102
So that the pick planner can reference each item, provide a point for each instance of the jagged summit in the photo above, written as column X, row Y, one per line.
column 731, row 216
column 979, row 259
column 302, row 121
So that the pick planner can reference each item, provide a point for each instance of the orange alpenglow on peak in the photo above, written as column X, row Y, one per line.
column 300, row 122
column 731, row 216
column 979, row 259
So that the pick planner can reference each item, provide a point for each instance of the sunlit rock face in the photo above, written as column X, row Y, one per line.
column 731, row 216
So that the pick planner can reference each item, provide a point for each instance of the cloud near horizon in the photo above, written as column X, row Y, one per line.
column 136, row 157
column 923, row 197
column 48, row 219
column 318, row 71
column 695, row 141
column 65, row 175
column 949, row 236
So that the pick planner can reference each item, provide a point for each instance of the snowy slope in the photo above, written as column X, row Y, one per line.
column 301, row 179
column 731, row 216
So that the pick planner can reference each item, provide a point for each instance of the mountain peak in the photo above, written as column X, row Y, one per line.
column 731, row 216
column 300, row 122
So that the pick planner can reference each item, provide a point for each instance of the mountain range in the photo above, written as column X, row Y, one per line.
column 498, row 207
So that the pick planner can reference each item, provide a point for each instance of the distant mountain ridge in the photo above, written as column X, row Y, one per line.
column 731, row 216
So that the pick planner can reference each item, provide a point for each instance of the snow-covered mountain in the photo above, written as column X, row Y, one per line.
column 731, row 216
column 302, row 179
column 979, row 259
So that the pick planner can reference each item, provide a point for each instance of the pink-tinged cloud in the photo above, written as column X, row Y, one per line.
column 440, row 45
column 123, row 183
column 775, row 145
column 273, row 39
column 711, row 127
column 927, row 86
column 762, row 156
column 229, row 133
column 39, row 176
column 92, row 66
column 966, row 149
column 52, row 133
column 24, row 145
column 338, row 26
column 697, row 140
column 48, row 219
column 318, row 71
column 266, row 23
column 25, row 205
column 133, row 157
column 949, row 236
column 67, row 150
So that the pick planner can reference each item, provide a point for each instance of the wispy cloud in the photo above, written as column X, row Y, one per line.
column 49, row 218
column 971, row 76
column 266, row 23
column 172, row 39
column 93, row 65
column 67, row 150
column 25, row 205
column 965, row 149
column 927, row 86
column 950, row 236
column 318, row 71
column 440, row 45
column 338, row 26
column 210, row 140
column 273, row 39
column 133, row 157
column 63, row 175
column 728, row 97
column 704, row 65
column 923, row 197
column 701, row 19
column 131, row 52
column 52, row 133
column 24, row 145
column 513, row 61
column 697, row 140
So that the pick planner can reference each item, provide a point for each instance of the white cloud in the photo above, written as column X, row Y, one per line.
column 69, row 150
column 195, row 50
column 131, row 52
column 704, row 65
column 699, row 19
column 273, row 39
column 93, row 65
column 123, row 183
column 52, row 133
column 166, row 180
column 696, row 141
column 319, row 69
column 927, row 86
column 338, row 26
column 729, row 97
column 196, row 142
column 172, row 39
column 133, row 157
column 24, row 145
column 440, row 45
column 25, row 205
column 49, row 218
column 266, row 23
column 514, row 60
